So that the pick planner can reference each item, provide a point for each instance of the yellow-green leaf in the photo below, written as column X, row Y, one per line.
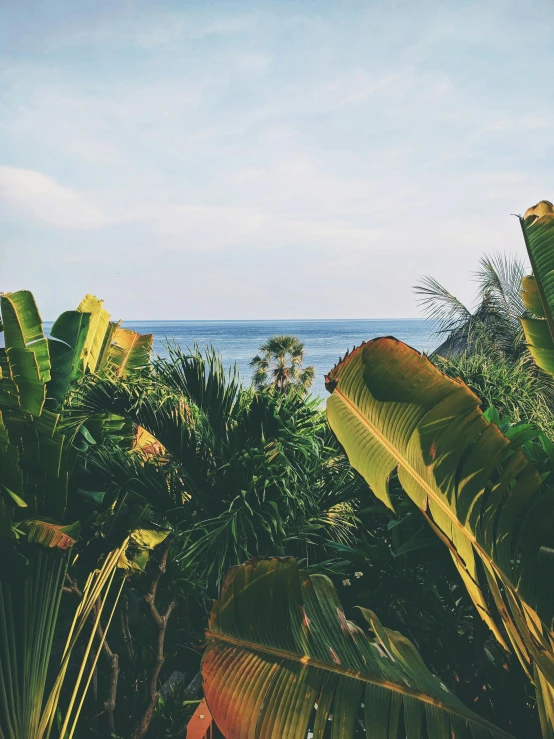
column 98, row 325
column 392, row 410
column 538, row 289
column 148, row 538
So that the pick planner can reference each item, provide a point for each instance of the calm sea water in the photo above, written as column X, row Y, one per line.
column 325, row 340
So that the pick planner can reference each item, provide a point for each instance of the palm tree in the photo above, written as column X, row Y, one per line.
column 495, row 321
column 486, row 346
column 279, row 365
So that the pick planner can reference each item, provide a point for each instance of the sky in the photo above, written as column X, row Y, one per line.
column 278, row 159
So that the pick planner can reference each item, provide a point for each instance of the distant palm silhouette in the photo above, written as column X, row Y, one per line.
column 279, row 365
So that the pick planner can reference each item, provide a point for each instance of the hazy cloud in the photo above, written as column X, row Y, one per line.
column 33, row 195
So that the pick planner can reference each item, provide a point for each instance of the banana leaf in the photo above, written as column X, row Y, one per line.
column 97, row 329
column 67, row 342
column 128, row 352
column 39, row 423
column 108, row 348
column 393, row 411
column 282, row 660
column 26, row 365
column 538, row 289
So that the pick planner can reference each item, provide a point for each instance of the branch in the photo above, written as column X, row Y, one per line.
column 160, row 619
column 127, row 638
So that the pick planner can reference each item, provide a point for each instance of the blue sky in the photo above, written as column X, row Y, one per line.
column 267, row 159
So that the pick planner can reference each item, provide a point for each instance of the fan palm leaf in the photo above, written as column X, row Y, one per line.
column 280, row 363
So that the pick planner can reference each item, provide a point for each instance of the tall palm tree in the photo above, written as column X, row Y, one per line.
column 279, row 365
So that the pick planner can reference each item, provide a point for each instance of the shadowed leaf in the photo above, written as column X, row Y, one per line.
column 282, row 660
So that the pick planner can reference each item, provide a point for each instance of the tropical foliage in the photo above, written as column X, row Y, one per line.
column 283, row 660
column 39, row 448
column 279, row 365
column 392, row 410
column 130, row 486
column 494, row 323
column 538, row 291
column 258, row 471
column 511, row 386
column 234, row 473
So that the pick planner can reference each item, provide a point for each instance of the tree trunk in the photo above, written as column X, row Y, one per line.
column 160, row 620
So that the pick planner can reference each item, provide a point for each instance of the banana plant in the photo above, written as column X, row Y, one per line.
column 395, row 412
column 537, row 292
column 38, row 454
column 282, row 660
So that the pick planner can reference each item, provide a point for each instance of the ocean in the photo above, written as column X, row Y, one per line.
column 325, row 341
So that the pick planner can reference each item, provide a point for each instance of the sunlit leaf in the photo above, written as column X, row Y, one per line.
column 538, row 290
column 392, row 410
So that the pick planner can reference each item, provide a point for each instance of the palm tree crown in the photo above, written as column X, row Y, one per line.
column 495, row 321
column 279, row 365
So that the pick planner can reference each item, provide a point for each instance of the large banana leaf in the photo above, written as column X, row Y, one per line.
column 282, row 660
column 97, row 329
column 109, row 348
column 26, row 366
column 85, row 340
column 128, row 352
column 538, row 290
column 392, row 409
column 68, row 336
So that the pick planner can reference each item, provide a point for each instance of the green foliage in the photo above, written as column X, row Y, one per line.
column 495, row 322
column 517, row 390
column 538, row 291
column 391, row 409
column 96, row 445
column 245, row 473
column 42, row 431
column 279, row 365
column 281, row 647
column 398, row 566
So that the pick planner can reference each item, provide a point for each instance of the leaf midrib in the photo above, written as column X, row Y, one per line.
column 309, row 661
column 430, row 492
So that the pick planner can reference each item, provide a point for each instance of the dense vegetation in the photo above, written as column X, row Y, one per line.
column 133, row 489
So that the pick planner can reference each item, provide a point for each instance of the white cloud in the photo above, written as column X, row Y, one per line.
column 40, row 197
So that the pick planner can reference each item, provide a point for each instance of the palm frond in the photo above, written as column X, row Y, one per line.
column 441, row 307
column 499, row 279
column 200, row 377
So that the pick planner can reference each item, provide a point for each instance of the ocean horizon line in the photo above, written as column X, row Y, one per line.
column 255, row 320
column 262, row 320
